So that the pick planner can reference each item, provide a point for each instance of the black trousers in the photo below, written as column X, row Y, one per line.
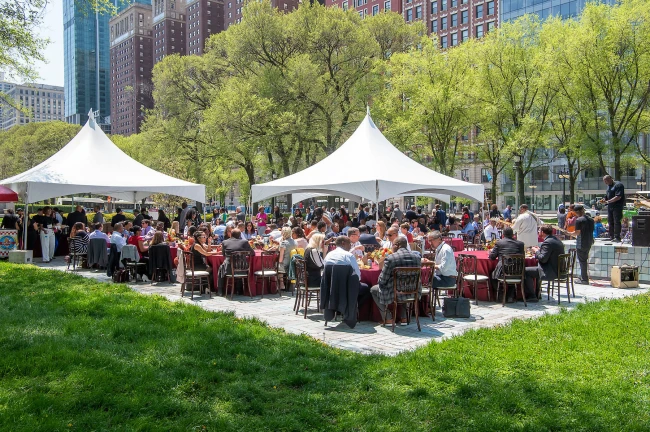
column 614, row 216
column 364, row 294
column 533, row 282
column 583, row 257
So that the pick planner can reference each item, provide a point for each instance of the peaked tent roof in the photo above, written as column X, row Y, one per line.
column 381, row 172
column 7, row 195
column 91, row 163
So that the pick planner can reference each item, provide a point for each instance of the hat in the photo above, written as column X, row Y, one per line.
column 578, row 207
column 19, row 209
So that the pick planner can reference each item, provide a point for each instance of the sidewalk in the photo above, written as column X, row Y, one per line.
column 367, row 337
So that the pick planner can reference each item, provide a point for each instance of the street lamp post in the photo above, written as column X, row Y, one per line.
column 533, row 187
column 641, row 184
column 564, row 174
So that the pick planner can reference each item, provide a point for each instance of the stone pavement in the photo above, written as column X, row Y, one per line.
column 368, row 337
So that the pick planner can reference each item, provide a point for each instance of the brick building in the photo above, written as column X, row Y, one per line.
column 368, row 7
column 233, row 9
column 168, row 28
column 203, row 19
column 455, row 21
column 131, row 52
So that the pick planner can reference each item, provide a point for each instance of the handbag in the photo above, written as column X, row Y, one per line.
column 456, row 307
column 121, row 276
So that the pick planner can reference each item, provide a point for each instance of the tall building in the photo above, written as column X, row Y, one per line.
column 43, row 103
column 368, row 7
column 168, row 28
column 233, row 9
column 512, row 9
column 455, row 21
column 131, row 41
column 203, row 19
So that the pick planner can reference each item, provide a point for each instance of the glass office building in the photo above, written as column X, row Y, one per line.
column 87, row 67
column 512, row 9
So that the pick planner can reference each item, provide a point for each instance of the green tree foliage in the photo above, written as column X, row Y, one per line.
column 23, row 147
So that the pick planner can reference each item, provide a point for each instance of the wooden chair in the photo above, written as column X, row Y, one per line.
column 474, row 247
column 239, row 268
column 75, row 244
column 163, row 250
column 269, row 270
column 406, row 284
column 304, row 292
column 514, row 271
column 564, row 275
column 574, row 256
column 469, row 274
column 194, row 276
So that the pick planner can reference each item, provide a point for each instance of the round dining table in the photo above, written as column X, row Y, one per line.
column 485, row 266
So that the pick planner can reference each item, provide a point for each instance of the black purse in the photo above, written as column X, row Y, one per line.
column 456, row 307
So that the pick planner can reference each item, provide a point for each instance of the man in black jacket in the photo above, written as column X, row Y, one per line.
column 79, row 215
column 118, row 218
column 584, row 241
column 506, row 246
column 234, row 244
column 411, row 214
column 365, row 238
column 547, row 268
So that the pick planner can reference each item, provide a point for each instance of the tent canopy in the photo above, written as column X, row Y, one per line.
column 91, row 163
column 7, row 195
column 368, row 167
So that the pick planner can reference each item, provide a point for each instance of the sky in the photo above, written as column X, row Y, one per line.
column 52, row 28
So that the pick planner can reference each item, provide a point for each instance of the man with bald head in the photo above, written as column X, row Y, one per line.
column 615, row 200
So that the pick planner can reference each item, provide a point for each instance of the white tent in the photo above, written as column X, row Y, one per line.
column 367, row 166
column 91, row 163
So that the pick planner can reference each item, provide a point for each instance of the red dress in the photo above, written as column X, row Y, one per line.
column 133, row 241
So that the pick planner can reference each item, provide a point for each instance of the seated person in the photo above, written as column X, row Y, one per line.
column 547, row 263
column 382, row 293
column 117, row 238
column 445, row 262
column 365, row 238
column 506, row 246
column 471, row 228
column 97, row 233
column 356, row 248
column 342, row 256
column 137, row 241
column 314, row 259
column 287, row 244
column 201, row 249
column 220, row 228
column 404, row 230
column 599, row 228
column 298, row 237
column 233, row 244
column 491, row 232
column 78, row 232
column 275, row 233
column 146, row 227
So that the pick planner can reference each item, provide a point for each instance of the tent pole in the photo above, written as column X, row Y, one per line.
column 25, row 224
column 376, row 195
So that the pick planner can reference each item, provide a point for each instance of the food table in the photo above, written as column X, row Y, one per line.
column 485, row 266
column 457, row 244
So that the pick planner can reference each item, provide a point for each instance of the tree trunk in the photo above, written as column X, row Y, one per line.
column 617, row 164
column 493, row 193
column 573, row 178
column 521, row 195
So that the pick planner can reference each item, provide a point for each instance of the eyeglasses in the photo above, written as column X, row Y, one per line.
column 390, row 234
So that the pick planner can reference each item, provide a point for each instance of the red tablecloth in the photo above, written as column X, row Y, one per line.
column 485, row 266
column 255, row 283
column 457, row 244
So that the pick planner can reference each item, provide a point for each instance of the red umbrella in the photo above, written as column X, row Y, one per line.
column 7, row 195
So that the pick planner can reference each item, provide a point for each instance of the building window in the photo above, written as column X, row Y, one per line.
column 454, row 3
column 375, row 10
column 387, row 5
column 434, row 7
column 490, row 7
column 345, row 5
column 418, row 12
column 539, row 174
column 486, row 176
column 443, row 23
column 443, row 5
column 464, row 17
column 464, row 175
column 479, row 11
column 454, row 20
column 465, row 35
column 443, row 41
column 409, row 15
column 454, row 39
column 479, row 31
column 434, row 26
column 490, row 26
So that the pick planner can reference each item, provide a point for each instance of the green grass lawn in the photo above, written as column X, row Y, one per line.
column 81, row 355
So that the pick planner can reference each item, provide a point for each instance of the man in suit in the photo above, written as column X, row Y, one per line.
column 79, row 215
column 234, row 244
column 382, row 293
column 506, row 246
column 411, row 214
column 547, row 256
column 118, row 218
column 366, row 238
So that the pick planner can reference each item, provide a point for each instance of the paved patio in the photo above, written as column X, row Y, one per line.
column 368, row 337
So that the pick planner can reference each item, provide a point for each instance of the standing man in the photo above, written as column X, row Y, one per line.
column 118, row 218
column 182, row 216
column 439, row 219
column 411, row 213
column 10, row 221
column 397, row 213
column 99, row 216
column 526, row 227
column 382, row 293
column 77, row 216
column 507, row 213
column 241, row 216
column 615, row 200
column 138, row 218
column 584, row 241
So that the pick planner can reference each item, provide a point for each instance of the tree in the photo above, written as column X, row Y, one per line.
column 605, row 60
column 424, row 104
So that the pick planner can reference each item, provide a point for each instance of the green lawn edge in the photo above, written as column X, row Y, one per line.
column 76, row 354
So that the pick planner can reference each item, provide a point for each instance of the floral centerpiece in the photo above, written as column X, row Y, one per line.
column 380, row 253
column 490, row 245
column 171, row 235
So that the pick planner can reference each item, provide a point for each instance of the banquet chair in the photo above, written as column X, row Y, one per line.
column 304, row 292
column 239, row 268
column 76, row 258
column 574, row 255
column 269, row 270
column 563, row 275
column 474, row 247
column 469, row 273
column 160, row 262
column 426, row 279
column 192, row 276
column 406, row 283
column 478, row 238
column 514, row 271
column 431, row 256
column 467, row 239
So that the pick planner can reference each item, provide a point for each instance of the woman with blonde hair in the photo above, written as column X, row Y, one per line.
column 287, row 244
column 314, row 259
column 380, row 232
column 158, row 238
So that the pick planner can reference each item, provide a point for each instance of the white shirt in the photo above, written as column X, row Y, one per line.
column 445, row 260
column 489, row 230
column 526, row 228
column 371, row 223
column 275, row 234
column 343, row 257
column 118, row 240
column 98, row 234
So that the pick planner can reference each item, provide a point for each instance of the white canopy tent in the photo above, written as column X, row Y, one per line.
column 380, row 171
column 91, row 163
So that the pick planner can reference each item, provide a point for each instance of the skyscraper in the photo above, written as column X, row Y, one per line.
column 168, row 28
column 512, row 9
column 87, row 61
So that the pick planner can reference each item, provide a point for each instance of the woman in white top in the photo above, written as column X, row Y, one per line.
column 298, row 236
